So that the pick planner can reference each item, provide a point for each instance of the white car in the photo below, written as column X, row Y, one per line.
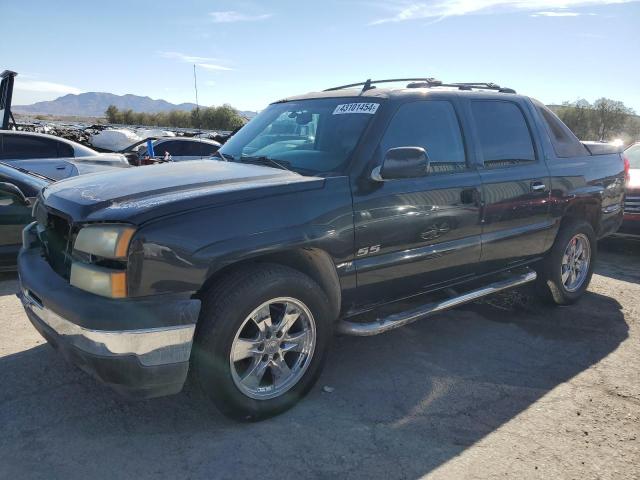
column 51, row 156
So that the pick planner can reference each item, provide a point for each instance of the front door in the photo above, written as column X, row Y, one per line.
column 415, row 234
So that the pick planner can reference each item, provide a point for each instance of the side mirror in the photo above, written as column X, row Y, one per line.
column 13, row 192
column 402, row 162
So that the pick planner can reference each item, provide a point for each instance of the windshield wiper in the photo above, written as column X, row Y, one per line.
column 224, row 156
column 262, row 160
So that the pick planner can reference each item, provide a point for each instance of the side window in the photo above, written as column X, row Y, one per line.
column 432, row 125
column 207, row 149
column 191, row 149
column 503, row 133
column 65, row 150
column 17, row 147
column 174, row 148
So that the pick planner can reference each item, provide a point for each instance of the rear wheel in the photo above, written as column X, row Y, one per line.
column 568, row 267
column 261, row 341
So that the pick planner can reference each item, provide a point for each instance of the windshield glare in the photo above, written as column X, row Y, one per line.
column 310, row 136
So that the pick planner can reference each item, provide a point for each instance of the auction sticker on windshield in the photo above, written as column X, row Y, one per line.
column 370, row 108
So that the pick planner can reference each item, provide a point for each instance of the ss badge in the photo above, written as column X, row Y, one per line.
column 368, row 251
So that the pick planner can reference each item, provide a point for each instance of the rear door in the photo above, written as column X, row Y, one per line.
column 415, row 234
column 515, row 181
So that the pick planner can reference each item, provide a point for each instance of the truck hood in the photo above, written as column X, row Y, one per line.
column 136, row 195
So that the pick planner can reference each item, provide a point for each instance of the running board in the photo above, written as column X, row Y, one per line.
column 396, row 320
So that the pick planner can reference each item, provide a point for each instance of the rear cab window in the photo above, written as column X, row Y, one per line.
column 503, row 134
column 565, row 144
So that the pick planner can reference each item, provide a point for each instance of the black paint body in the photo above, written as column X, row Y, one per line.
column 196, row 219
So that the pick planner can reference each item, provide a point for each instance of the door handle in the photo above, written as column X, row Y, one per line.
column 469, row 196
column 538, row 187
column 61, row 167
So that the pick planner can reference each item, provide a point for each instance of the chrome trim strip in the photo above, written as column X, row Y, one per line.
column 403, row 318
column 613, row 208
column 152, row 346
column 28, row 235
column 418, row 254
column 506, row 234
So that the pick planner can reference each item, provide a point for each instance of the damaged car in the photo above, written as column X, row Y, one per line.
column 52, row 156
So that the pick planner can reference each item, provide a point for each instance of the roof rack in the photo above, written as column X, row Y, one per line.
column 424, row 83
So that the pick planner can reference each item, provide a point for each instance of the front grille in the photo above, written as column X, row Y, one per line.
column 632, row 202
column 57, row 234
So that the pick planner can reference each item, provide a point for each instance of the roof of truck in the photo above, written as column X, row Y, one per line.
column 409, row 88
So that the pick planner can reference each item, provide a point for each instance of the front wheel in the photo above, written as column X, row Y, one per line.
column 568, row 267
column 261, row 341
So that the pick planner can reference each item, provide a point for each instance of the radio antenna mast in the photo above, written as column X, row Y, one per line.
column 195, row 87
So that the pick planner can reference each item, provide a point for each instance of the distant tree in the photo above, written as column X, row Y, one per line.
column 611, row 117
column 633, row 129
column 112, row 114
column 578, row 117
column 605, row 120
column 208, row 118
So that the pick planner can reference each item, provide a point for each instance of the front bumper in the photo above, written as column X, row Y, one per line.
column 139, row 347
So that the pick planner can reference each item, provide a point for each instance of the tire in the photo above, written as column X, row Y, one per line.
column 551, row 285
column 234, row 318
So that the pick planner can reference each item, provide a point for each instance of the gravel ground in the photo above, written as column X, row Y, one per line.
column 503, row 388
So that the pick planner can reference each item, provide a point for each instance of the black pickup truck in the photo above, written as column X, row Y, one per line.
column 321, row 215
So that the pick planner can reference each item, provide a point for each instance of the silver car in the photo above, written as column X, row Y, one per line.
column 52, row 156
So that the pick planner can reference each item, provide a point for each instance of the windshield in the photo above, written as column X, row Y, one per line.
column 633, row 154
column 308, row 136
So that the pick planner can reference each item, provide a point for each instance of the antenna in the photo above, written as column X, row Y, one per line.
column 195, row 87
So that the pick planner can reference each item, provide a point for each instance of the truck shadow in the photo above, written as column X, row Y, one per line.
column 619, row 258
column 8, row 283
column 399, row 404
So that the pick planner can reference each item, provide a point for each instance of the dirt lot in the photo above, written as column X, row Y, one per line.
column 505, row 388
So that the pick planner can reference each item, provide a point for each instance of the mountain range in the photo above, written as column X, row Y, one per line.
column 94, row 104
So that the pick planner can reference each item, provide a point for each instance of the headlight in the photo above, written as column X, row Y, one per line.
column 107, row 241
column 99, row 280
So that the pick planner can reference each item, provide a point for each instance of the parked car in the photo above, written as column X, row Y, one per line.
column 51, row 156
column 18, row 189
column 239, row 271
column 631, row 224
column 171, row 148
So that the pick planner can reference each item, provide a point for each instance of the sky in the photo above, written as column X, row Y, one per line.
column 250, row 53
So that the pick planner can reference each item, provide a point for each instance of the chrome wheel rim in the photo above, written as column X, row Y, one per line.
column 273, row 348
column 575, row 262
